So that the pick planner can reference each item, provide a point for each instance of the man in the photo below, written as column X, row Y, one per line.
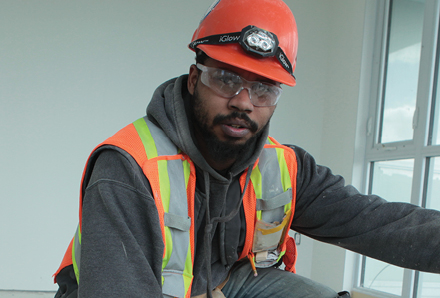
column 195, row 199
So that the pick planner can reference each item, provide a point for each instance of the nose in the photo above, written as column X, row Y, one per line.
column 242, row 100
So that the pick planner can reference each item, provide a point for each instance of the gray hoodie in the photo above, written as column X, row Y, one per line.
column 169, row 109
column 121, row 253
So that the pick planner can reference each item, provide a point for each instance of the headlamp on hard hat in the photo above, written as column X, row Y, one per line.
column 253, row 40
column 258, row 41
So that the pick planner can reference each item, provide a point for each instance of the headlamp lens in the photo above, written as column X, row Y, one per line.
column 228, row 84
column 260, row 40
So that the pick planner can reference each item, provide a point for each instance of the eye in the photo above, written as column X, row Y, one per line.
column 227, row 79
column 262, row 89
column 230, row 78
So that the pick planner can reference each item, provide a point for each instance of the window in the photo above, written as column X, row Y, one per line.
column 402, row 157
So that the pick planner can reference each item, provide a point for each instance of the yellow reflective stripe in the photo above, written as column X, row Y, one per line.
column 285, row 175
column 186, row 172
column 281, row 255
column 74, row 262
column 164, row 183
column 271, row 142
column 168, row 248
column 146, row 138
column 187, row 272
column 256, row 179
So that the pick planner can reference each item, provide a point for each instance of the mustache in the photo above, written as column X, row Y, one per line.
column 236, row 115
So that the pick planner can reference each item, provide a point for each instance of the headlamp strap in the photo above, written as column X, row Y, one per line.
column 267, row 44
column 216, row 39
column 285, row 63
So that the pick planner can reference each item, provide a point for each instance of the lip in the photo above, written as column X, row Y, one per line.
column 234, row 132
column 235, row 128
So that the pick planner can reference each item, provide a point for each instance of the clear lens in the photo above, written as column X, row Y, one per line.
column 229, row 84
column 267, row 95
column 226, row 82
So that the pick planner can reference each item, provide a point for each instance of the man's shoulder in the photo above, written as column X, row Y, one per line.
column 111, row 163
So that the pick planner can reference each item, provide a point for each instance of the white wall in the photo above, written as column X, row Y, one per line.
column 74, row 72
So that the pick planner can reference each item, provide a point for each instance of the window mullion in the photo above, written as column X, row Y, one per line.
column 387, row 18
column 408, row 283
column 380, row 43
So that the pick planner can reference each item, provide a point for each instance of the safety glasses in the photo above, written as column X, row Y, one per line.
column 228, row 84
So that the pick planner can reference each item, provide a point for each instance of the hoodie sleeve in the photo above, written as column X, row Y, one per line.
column 121, row 247
column 398, row 233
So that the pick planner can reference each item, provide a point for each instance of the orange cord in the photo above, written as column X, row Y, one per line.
column 251, row 259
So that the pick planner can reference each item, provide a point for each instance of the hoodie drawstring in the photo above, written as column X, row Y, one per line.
column 209, row 225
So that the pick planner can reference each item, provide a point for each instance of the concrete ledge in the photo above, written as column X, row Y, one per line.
column 25, row 294
column 364, row 293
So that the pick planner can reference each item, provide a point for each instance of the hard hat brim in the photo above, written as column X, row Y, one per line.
column 234, row 55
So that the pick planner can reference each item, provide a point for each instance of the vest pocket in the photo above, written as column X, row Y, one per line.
column 271, row 228
column 267, row 236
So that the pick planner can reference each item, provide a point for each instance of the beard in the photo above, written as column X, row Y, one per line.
column 220, row 150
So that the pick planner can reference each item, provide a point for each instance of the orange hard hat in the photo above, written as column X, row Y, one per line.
column 259, row 36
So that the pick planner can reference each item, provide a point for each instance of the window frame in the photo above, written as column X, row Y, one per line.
column 417, row 148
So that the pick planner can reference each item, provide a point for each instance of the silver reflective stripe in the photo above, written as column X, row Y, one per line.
column 272, row 185
column 178, row 207
column 275, row 202
column 164, row 145
column 173, row 283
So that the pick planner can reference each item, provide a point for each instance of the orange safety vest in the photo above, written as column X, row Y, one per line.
column 269, row 204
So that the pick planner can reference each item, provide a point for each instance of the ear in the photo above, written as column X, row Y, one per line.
column 192, row 78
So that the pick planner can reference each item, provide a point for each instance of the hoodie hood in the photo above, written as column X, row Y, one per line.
column 167, row 109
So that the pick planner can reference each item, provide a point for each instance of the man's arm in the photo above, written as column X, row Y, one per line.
column 122, row 247
column 402, row 234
